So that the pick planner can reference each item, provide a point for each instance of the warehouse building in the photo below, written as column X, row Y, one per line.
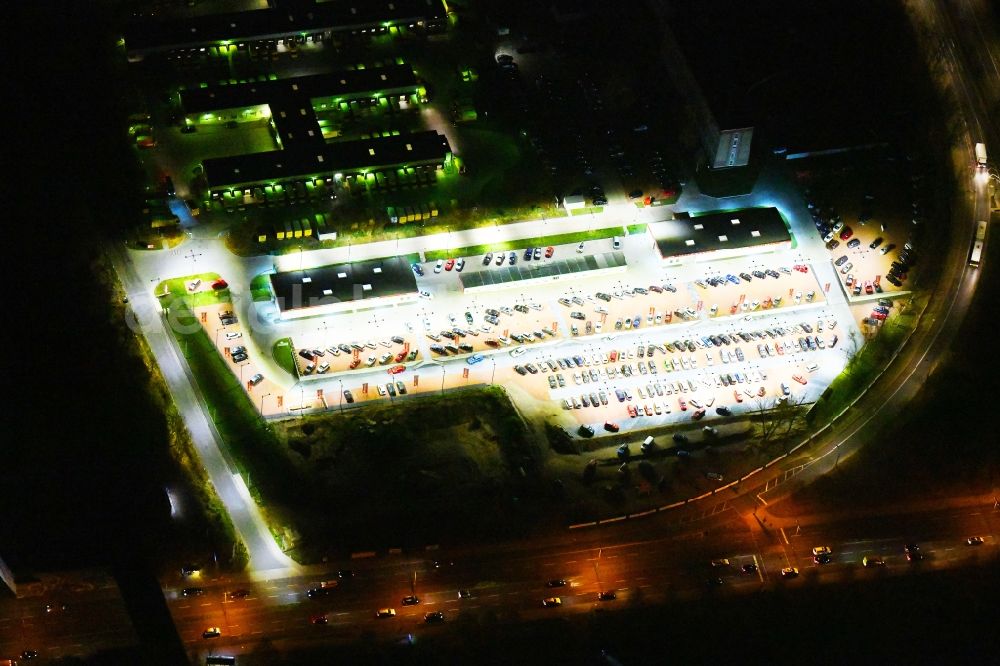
column 721, row 235
column 361, row 285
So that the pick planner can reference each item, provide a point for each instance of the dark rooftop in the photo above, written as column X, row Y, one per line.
column 338, row 15
column 336, row 84
column 720, row 231
column 805, row 74
column 417, row 148
column 343, row 283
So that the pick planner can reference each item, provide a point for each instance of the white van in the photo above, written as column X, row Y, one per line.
column 812, row 367
column 616, row 243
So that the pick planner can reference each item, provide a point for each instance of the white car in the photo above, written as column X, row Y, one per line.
column 425, row 294
column 517, row 351
column 847, row 267
column 232, row 335
column 438, row 266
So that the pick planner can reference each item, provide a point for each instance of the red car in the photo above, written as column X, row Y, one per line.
column 355, row 363
column 684, row 405
column 632, row 411
column 698, row 414
column 877, row 315
column 739, row 398
column 613, row 356
column 800, row 379
column 802, row 268
column 396, row 369
column 648, row 410
column 450, row 264
column 549, row 251
column 400, row 356
column 318, row 619
column 611, row 427
column 220, row 284
column 846, row 233
column 869, row 288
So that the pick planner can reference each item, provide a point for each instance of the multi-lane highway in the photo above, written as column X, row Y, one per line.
column 641, row 566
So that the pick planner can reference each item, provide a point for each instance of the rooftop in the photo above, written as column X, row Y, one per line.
column 336, row 84
column 720, row 231
column 800, row 72
column 147, row 36
column 375, row 153
column 343, row 283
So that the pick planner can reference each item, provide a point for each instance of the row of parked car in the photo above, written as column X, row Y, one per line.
column 729, row 278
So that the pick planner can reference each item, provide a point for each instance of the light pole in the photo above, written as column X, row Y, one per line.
column 442, row 380
column 262, row 403
column 494, row 373
column 341, row 381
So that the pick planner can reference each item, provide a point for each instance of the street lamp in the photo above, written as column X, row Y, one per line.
column 494, row 373
column 442, row 379
column 262, row 403
column 341, row 381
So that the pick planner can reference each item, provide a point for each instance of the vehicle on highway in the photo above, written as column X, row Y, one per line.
column 912, row 552
column 464, row 594
column 974, row 541
column 821, row 550
column 211, row 632
column 870, row 561
column 789, row 572
column 551, row 602
column 517, row 351
column 385, row 612
column 318, row 619
column 319, row 592
column 607, row 595
column 192, row 592
column 410, row 600
column 396, row 369
column 239, row 594
column 475, row 358
column 434, row 617
column 557, row 582
column 822, row 558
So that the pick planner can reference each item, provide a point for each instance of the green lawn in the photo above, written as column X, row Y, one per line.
column 636, row 229
column 586, row 211
column 177, row 288
column 283, row 355
column 539, row 241
column 867, row 363
column 260, row 287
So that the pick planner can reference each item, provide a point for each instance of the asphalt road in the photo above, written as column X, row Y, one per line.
column 641, row 569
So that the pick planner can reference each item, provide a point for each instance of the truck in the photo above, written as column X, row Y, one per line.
column 977, row 244
column 981, row 155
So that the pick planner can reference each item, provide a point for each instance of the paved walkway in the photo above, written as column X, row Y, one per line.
column 247, row 519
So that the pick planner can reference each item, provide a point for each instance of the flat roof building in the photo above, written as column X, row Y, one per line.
column 291, row 104
column 351, row 286
column 283, row 20
column 323, row 159
column 721, row 235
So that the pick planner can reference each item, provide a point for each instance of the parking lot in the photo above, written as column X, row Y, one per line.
column 644, row 347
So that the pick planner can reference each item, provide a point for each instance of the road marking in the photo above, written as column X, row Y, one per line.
column 783, row 535
column 571, row 562
column 272, row 596
column 207, row 603
column 621, row 581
